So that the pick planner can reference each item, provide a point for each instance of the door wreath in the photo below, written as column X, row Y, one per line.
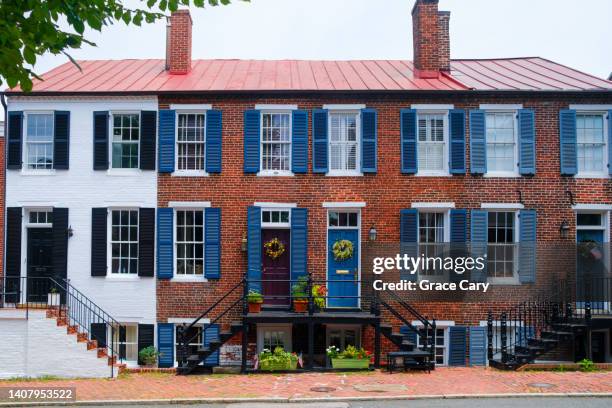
column 342, row 249
column 274, row 248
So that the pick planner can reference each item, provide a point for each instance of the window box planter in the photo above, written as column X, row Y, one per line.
column 357, row 363
column 277, row 366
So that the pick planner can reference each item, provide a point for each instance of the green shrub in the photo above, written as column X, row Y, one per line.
column 587, row 365
column 148, row 355
column 278, row 356
column 254, row 297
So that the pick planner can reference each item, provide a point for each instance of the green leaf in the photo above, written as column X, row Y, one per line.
column 29, row 55
column 151, row 3
column 127, row 17
column 163, row 5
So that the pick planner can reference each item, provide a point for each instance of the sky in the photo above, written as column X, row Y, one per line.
column 576, row 33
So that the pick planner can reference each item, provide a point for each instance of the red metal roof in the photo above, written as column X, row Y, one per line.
column 125, row 76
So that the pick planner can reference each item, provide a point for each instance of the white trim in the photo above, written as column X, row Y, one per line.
column 356, row 106
column 590, row 107
column 111, row 128
column 188, row 172
column 342, row 204
column 286, row 327
column 275, row 205
column 501, row 106
column 592, row 207
column 186, row 320
column 267, row 107
column 431, row 110
column 189, row 204
column 114, row 205
column 502, row 206
column 191, row 106
column 445, row 323
column 358, row 131
column 433, row 205
column 433, row 106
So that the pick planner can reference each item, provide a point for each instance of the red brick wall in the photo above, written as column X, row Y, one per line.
column 425, row 36
column 385, row 193
column 178, row 52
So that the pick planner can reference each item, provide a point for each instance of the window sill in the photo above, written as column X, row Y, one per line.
column 344, row 174
column 275, row 173
column 504, row 281
column 433, row 174
column 40, row 172
column 123, row 277
column 187, row 173
column 189, row 279
column 123, row 172
column 592, row 176
column 500, row 174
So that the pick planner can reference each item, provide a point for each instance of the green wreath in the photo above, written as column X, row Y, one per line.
column 274, row 248
column 342, row 250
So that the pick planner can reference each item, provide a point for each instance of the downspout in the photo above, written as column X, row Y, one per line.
column 3, row 101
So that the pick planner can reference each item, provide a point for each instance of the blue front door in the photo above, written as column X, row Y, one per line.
column 343, row 274
column 591, row 269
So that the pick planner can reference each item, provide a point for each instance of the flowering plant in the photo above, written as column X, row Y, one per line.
column 350, row 352
column 318, row 296
column 278, row 356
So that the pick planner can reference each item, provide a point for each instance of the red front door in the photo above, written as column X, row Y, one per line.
column 275, row 272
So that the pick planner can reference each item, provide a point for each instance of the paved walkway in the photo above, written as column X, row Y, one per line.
column 442, row 381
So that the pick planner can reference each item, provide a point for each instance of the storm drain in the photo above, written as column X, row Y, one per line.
column 541, row 385
column 322, row 389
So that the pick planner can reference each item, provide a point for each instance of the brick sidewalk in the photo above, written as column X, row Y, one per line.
column 442, row 381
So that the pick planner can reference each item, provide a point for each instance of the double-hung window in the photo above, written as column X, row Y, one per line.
column 125, row 144
column 591, row 143
column 189, row 243
column 501, row 138
column 190, row 141
column 39, row 140
column 275, row 142
column 431, row 241
column 127, row 338
column 124, row 242
column 432, row 136
column 344, row 142
column 502, row 250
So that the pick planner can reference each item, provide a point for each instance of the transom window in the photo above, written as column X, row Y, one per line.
column 127, row 339
column 431, row 237
column 190, row 242
column 124, row 242
column 41, row 217
column 500, row 141
column 39, row 140
column 275, row 141
column 275, row 216
column 501, row 248
column 126, row 138
column 589, row 220
column 590, row 142
column 431, row 142
column 344, row 219
column 190, row 141
column 343, row 141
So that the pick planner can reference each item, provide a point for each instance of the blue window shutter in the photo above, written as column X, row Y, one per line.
column 14, row 140
column 61, row 140
column 457, row 345
column 567, row 136
column 369, row 135
column 527, row 149
column 165, row 244
column 212, row 244
column 100, row 138
column 252, row 130
column 211, row 333
column 458, row 225
column 214, row 132
column 478, row 142
column 457, row 141
column 299, row 141
column 479, row 236
column 167, row 128
column 527, row 246
column 478, row 346
column 409, row 225
column 299, row 242
column 409, row 333
column 610, row 142
column 408, row 130
column 319, row 141
column 254, row 247
column 165, row 344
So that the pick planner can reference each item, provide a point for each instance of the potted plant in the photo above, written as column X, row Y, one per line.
column 53, row 297
column 299, row 293
column 254, row 299
column 318, row 296
column 351, row 357
column 277, row 360
column 148, row 356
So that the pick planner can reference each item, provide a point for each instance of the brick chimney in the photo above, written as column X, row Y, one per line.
column 431, row 41
column 178, row 42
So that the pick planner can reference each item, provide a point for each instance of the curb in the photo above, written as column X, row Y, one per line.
column 190, row 401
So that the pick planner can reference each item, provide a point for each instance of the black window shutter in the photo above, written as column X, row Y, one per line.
column 61, row 140
column 13, row 252
column 146, row 241
column 60, row 242
column 98, row 333
column 15, row 134
column 148, row 136
column 98, row 241
column 122, row 337
column 146, row 334
column 100, row 140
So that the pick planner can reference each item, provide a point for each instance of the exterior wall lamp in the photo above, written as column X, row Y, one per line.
column 564, row 229
column 244, row 243
column 372, row 234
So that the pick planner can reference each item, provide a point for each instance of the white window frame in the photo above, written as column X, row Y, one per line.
column 109, row 244
column 29, row 210
column 343, row 328
column 274, row 225
column 284, row 327
column 446, row 238
column 515, row 171
column 606, row 159
column 272, row 110
column 340, row 109
column 440, row 324
column 175, row 275
column 129, row 363
column 514, row 280
column 445, row 157
column 24, row 154
column 111, row 117
column 193, row 110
